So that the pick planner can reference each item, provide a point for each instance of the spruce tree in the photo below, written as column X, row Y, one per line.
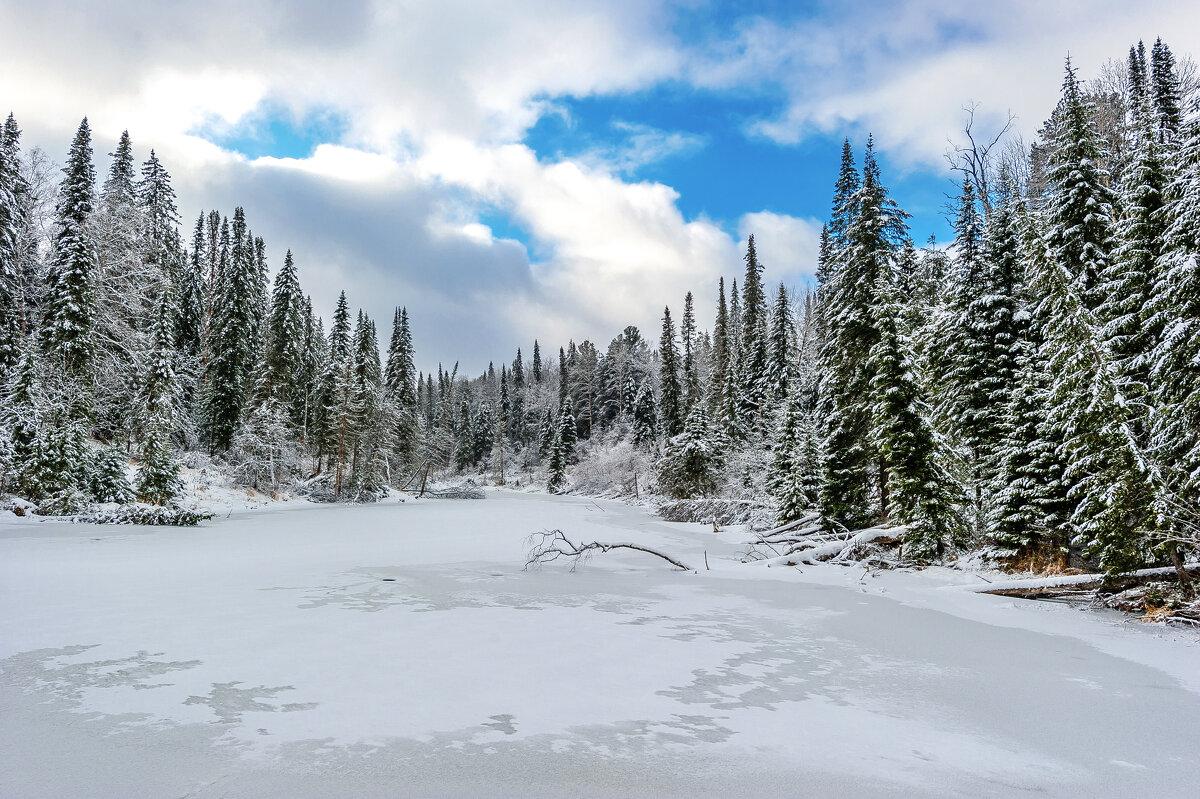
column 284, row 361
column 670, row 403
column 158, row 481
column 721, row 354
column 977, row 339
column 1166, row 91
column 537, row 362
column 645, row 416
column 1174, row 432
column 691, row 460
column 687, row 333
column 231, row 338
column 923, row 494
column 10, row 272
column 752, row 366
column 190, row 322
column 69, row 311
column 107, row 479
column 873, row 233
column 794, row 477
column 368, row 430
column 1079, row 212
column 158, row 383
column 780, row 360
column 401, row 389
column 160, row 218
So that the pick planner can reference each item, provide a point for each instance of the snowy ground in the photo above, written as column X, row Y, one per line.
column 400, row 650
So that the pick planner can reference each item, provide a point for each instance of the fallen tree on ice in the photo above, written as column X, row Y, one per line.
column 806, row 541
column 548, row 546
column 1073, row 584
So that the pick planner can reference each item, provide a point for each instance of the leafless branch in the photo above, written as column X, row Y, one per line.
column 975, row 159
column 548, row 546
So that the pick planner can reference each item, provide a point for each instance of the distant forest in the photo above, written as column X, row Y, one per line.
column 1031, row 391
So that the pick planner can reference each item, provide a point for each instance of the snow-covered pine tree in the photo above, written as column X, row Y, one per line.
column 1130, row 328
column 566, row 434
column 871, row 229
column 719, row 377
column 160, row 218
column 402, row 391
column 10, row 272
column 556, row 459
column 190, row 294
column 1109, row 478
column 69, row 311
column 670, row 402
column 781, row 361
column 1175, row 311
column 370, row 433
column 687, row 334
column 794, row 477
column 332, row 401
column 158, row 392
column 107, row 479
column 1079, row 210
column 231, row 337
column 691, row 460
column 752, row 366
column 284, row 361
column 158, row 481
column 977, row 343
column 923, row 495
column 1165, row 88
column 645, row 416
column 537, row 362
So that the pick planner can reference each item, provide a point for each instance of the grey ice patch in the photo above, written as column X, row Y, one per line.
column 43, row 669
column 229, row 702
column 503, row 723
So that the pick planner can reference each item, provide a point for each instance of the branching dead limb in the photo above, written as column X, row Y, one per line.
column 548, row 546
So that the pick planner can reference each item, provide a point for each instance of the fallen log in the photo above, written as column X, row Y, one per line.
column 1077, row 584
column 550, row 545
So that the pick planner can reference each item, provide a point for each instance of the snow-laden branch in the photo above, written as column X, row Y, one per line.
column 550, row 545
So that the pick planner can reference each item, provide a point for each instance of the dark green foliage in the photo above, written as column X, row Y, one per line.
column 670, row 402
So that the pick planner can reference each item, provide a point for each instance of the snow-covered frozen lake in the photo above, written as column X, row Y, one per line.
column 401, row 650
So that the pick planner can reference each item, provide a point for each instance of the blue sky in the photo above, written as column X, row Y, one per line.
column 522, row 169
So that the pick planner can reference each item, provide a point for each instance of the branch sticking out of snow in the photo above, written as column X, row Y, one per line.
column 550, row 545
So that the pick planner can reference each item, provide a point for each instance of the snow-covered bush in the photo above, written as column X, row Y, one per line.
column 611, row 465
column 155, row 515
column 107, row 480
column 264, row 454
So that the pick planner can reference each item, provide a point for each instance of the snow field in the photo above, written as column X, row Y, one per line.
column 400, row 649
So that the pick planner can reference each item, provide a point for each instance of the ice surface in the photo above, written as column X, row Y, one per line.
column 401, row 650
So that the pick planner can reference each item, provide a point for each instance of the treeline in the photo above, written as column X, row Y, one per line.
column 1031, row 389
column 118, row 340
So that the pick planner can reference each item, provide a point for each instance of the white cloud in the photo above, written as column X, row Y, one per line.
column 905, row 70
column 438, row 97
column 787, row 246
